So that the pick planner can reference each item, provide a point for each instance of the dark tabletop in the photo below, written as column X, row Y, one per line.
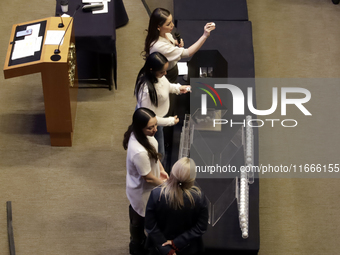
column 96, row 32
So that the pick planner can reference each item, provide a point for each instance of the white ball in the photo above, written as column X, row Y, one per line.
column 213, row 24
column 245, row 234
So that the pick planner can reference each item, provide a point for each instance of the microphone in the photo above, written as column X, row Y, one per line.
column 178, row 37
column 60, row 25
column 57, row 57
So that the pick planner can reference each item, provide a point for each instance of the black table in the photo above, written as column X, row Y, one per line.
column 96, row 40
column 233, row 39
column 225, row 237
column 212, row 10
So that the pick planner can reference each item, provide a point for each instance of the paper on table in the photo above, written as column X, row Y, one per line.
column 53, row 37
column 35, row 30
column 23, row 48
column 182, row 68
column 38, row 43
column 35, row 36
column 104, row 10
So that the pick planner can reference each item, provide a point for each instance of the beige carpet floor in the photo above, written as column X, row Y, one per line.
column 298, row 39
column 72, row 200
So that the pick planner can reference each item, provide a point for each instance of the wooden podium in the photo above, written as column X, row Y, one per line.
column 59, row 77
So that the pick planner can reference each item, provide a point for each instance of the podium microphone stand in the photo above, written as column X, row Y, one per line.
column 59, row 78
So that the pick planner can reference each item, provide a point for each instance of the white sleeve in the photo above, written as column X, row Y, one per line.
column 144, row 101
column 142, row 163
column 167, row 121
column 170, row 51
column 185, row 53
column 174, row 88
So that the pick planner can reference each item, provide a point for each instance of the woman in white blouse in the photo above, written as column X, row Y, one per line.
column 144, row 172
column 159, row 39
column 152, row 91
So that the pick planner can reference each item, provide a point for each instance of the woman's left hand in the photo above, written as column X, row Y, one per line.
column 164, row 176
column 184, row 89
column 169, row 242
column 181, row 45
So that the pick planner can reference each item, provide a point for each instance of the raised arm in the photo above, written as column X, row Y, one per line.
column 198, row 44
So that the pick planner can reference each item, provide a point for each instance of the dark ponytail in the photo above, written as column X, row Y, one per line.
column 147, row 75
column 140, row 120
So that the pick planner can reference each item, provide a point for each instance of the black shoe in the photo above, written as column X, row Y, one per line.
column 137, row 249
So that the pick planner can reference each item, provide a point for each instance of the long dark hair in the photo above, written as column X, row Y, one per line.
column 157, row 18
column 140, row 120
column 154, row 63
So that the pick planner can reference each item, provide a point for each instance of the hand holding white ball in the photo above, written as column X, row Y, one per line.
column 208, row 28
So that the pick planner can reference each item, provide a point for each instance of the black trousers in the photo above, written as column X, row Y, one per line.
column 137, row 235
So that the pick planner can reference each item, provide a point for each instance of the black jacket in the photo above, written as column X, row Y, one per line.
column 184, row 226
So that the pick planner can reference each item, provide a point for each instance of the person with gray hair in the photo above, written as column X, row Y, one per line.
column 176, row 214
